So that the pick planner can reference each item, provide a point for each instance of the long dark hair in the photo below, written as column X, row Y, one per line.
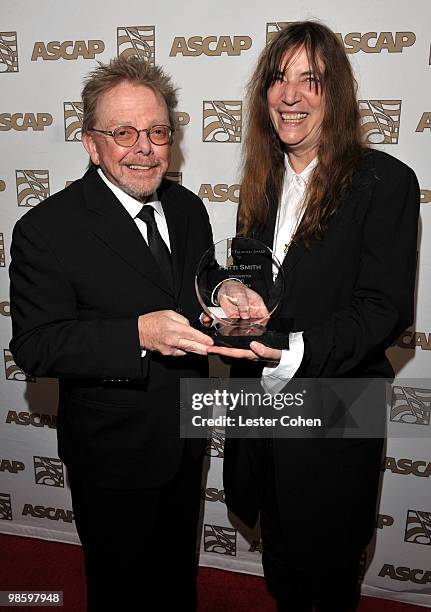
column 340, row 147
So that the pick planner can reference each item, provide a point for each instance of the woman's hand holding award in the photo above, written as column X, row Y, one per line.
column 240, row 284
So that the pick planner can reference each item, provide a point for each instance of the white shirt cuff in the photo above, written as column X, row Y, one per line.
column 274, row 378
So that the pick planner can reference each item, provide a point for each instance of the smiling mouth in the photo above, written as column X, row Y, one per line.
column 140, row 167
column 293, row 116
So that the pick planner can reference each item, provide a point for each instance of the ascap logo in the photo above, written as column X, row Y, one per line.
column 410, row 339
column 13, row 372
column 256, row 546
column 137, row 40
column 222, row 121
column 418, row 527
column 36, row 419
column 5, row 507
column 410, row 405
column 418, row 576
column 219, row 193
column 220, row 540
column 424, row 123
column 175, row 177
column 422, row 469
column 213, row 495
column 73, row 113
column 181, row 119
column 273, row 28
column 380, row 120
column 425, row 196
column 53, row 514
column 48, row 471
column 5, row 309
column 375, row 42
column 32, row 186
column 21, row 122
column 68, row 49
column 8, row 52
column 210, row 45
column 13, row 467
column 2, row 185
column 353, row 42
column 2, row 253
column 384, row 520
column 215, row 446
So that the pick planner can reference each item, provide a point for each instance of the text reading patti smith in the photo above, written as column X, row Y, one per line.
column 240, row 400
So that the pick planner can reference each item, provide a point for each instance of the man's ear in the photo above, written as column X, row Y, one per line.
column 91, row 148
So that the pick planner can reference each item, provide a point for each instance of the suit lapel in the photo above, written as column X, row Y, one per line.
column 178, row 226
column 114, row 226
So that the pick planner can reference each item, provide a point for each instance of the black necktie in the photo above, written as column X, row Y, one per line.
column 156, row 243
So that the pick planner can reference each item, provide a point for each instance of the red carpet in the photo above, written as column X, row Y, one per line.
column 28, row 563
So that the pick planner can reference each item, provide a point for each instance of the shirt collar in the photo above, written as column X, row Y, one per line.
column 132, row 205
column 304, row 175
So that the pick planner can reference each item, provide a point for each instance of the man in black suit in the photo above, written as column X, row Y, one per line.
column 102, row 298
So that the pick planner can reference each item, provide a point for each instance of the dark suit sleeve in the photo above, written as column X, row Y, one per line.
column 382, row 304
column 49, row 339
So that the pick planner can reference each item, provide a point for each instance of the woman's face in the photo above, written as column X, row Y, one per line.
column 296, row 107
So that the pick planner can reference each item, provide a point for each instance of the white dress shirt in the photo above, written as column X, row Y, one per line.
column 134, row 207
column 289, row 216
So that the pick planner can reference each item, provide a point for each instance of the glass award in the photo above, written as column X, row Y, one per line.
column 240, row 285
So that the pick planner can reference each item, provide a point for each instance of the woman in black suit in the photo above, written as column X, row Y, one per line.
column 343, row 220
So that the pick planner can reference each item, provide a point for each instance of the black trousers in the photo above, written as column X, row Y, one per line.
column 322, row 590
column 140, row 545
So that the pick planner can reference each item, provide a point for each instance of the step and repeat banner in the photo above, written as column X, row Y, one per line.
column 210, row 49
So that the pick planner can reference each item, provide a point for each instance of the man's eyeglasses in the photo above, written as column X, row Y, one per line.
column 127, row 135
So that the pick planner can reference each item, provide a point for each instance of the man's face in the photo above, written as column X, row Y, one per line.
column 295, row 107
column 137, row 170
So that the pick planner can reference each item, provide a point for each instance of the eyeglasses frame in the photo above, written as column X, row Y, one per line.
column 146, row 130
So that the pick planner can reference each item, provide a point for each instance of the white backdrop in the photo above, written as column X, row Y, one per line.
column 210, row 49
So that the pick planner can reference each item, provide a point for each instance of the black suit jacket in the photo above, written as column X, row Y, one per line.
column 81, row 274
column 352, row 294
